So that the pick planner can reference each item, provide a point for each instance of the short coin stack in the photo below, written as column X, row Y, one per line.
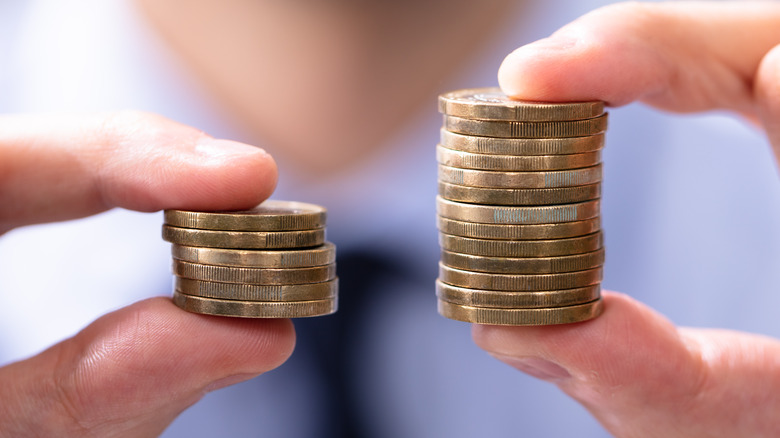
column 271, row 261
column 518, row 209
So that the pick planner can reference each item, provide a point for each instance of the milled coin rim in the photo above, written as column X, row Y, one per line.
column 505, row 129
column 516, row 163
column 463, row 103
column 520, row 180
column 524, row 265
column 255, row 309
column 243, row 239
column 257, row 276
column 519, row 282
column 517, row 215
column 256, row 292
column 302, row 216
column 513, row 300
column 563, row 230
column 519, row 197
column 522, row 248
column 500, row 316
column 324, row 254
column 521, row 146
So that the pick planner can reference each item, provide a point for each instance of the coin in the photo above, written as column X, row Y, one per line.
column 502, row 129
column 520, row 180
column 498, row 316
column 499, row 214
column 518, row 282
column 255, row 309
column 524, row 265
column 468, row 160
column 521, row 248
column 254, row 292
column 493, row 104
column 521, row 146
column 292, row 258
column 263, row 276
column 271, row 215
column 244, row 239
column 483, row 195
column 518, row 232
column 527, row 300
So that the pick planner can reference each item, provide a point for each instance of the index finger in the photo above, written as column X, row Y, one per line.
column 680, row 56
column 63, row 167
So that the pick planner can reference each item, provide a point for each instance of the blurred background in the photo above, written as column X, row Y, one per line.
column 343, row 94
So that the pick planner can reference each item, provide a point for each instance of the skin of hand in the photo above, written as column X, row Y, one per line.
column 131, row 372
column 637, row 373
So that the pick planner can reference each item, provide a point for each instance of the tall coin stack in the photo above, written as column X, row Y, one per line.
column 518, row 209
column 271, row 261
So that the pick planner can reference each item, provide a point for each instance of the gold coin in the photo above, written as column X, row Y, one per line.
column 482, row 195
column 519, row 232
column 271, row 215
column 244, row 239
column 292, row 258
column 467, row 160
column 493, row 104
column 501, row 129
column 255, row 309
column 520, row 180
column 498, row 316
column 525, row 300
column 261, row 276
column 526, row 265
column 518, row 282
column 521, row 146
column 521, row 248
column 254, row 292
column 500, row 214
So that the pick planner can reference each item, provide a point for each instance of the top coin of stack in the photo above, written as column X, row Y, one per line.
column 518, row 209
column 271, row 261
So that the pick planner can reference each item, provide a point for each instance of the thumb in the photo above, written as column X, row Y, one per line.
column 131, row 372
column 640, row 376
column 767, row 90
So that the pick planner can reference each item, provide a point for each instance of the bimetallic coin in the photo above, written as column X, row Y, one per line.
column 254, row 292
column 482, row 195
column 255, row 309
column 493, row 104
column 518, row 282
column 518, row 232
column 525, row 300
column 468, row 160
column 262, row 276
column 521, row 248
column 499, row 214
column 243, row 239
column 292, row 258
column 271, row 215
column 521, row 146
column 501, row 129
column 498, row 316
column 524, row 265
column 520, row 180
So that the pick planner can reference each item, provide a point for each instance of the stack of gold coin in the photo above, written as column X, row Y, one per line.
column 518, row 209
column 271, row 261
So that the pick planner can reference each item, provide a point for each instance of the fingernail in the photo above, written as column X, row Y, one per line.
column 227, row 381
column 536, row 367
column 214, row 148
column 556, row 42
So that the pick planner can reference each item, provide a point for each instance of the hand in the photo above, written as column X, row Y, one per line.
column 131, row 372
column 637, row 373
